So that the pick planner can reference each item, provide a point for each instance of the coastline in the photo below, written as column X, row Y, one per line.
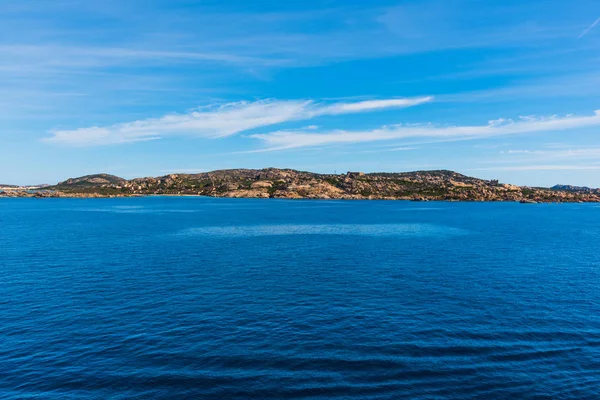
column 371, row 198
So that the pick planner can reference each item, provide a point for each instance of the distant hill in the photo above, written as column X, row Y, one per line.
column 96, row 180
column 292, row 184
column 570, row 188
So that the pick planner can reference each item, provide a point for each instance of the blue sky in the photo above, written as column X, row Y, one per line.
column 494, row 89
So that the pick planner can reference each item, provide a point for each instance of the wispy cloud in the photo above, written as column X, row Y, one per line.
column 294, row 139
column 369, row 105
column 539, row 168
column 589, row 28
column 310, row 35
column 517, row 152
column 221, row 120
column 44, row 57
column 575, row 84
column 579, row 154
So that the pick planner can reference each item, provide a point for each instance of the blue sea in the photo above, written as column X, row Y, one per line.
column 202, row 298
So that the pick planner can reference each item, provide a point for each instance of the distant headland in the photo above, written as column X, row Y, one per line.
column 291, row 184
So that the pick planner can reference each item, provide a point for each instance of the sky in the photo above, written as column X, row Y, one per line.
column 506, row 90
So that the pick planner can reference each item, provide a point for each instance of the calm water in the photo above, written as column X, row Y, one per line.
column 161, row 298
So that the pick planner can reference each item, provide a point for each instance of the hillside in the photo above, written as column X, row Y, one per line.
column 292, row 184
column 96, row 180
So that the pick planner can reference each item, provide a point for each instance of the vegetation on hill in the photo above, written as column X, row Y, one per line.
column 96, row 180
column 287, row 183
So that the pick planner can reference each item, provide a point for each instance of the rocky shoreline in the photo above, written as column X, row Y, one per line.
column 45, row 194
column 439, row 185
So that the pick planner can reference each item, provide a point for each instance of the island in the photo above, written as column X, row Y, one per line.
column 291, row 184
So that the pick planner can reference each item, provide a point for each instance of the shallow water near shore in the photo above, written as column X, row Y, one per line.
column 192, row 297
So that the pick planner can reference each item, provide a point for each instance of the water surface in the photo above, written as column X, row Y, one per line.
column 165, row 297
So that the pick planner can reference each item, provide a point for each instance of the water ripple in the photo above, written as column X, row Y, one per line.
column 411, row 230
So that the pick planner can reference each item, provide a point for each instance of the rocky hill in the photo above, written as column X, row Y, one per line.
column 292, row 184
column 96, row 180
column 577, row 189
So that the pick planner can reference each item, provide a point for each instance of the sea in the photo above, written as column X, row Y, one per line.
column 210, row 298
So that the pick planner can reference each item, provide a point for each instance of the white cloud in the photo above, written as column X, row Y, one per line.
column 401, row 149
column 517, row 152
column 222, row 120
column 369, row 105
column 293, row 139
